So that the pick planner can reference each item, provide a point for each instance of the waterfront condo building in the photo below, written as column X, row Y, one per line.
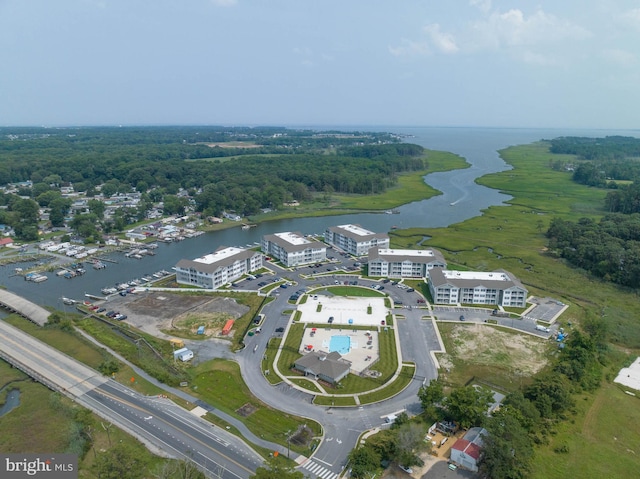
column 354, row 239
column 293, row 249
column 403, row 263
column 470, row 287
column 217, row 269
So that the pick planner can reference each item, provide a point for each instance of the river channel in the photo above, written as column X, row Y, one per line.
column 461, row 199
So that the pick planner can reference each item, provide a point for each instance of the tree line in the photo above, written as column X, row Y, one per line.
column 608, row 249
column 263, row 168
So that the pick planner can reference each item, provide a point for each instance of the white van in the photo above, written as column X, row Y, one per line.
column 540, row 327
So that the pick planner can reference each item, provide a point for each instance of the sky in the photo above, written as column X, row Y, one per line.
column 485, row 63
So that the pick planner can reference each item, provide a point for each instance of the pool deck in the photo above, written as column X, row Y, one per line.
column 358, row 355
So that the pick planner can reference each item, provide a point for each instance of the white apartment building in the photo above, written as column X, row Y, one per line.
column 471, row 287
column 219, row 268
column 354, row 239
column 293, row 249
column 403, row 263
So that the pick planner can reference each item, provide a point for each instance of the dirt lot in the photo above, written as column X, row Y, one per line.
column 486, row 345
column 157, row 312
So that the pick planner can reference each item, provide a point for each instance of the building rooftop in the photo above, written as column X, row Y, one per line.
column 292, row 238
column 476, row 275
column 356, row 230
column 219, row 255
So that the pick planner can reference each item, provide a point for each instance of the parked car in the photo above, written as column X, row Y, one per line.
column 101, row 310
column 330, row 320
column 461, row 317
column 279, row 330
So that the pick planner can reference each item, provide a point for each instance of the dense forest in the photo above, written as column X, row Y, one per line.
column 223, row 169
column 600, row 149
column 608, row 249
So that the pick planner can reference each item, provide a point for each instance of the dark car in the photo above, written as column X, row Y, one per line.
column 461, row 317
column 110, row 313
column 279, row 330
column 101, row 310
column 410, row 290
column 330, row 320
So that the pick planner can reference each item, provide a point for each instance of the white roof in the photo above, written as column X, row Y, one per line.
column 405, row 252
column 356, row 230
column 292, row 238
column 218, row 255
column 476, row 275
column 630, row 376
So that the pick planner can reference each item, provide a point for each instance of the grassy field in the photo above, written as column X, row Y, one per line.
column 219, row 382
column 602, row 441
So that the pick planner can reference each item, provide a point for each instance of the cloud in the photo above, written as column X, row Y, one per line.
column 483, row 5
column 224, row 3
column 619, row 57
column 410, row 48
column 631, row 18
column 514, row 28
column 442, row 41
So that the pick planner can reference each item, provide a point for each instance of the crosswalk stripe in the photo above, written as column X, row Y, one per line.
column 319, row 470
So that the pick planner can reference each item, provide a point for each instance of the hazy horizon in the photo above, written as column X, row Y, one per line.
column 457, row 64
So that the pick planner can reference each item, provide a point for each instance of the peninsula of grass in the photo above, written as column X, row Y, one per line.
column 268, row 358
column 289, row 353
column 391, row 389
column 342, row 401
column 220, row 384
column 306, row 384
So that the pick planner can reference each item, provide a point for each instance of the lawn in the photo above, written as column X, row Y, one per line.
column 220, row 383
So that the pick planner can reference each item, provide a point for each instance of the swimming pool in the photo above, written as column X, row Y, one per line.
column 342, row 344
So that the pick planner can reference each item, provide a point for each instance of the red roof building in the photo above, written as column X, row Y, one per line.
column 6, row 241
column 466, row 451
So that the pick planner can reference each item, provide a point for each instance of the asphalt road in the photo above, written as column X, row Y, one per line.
column 175, row 430
column 342, row 426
